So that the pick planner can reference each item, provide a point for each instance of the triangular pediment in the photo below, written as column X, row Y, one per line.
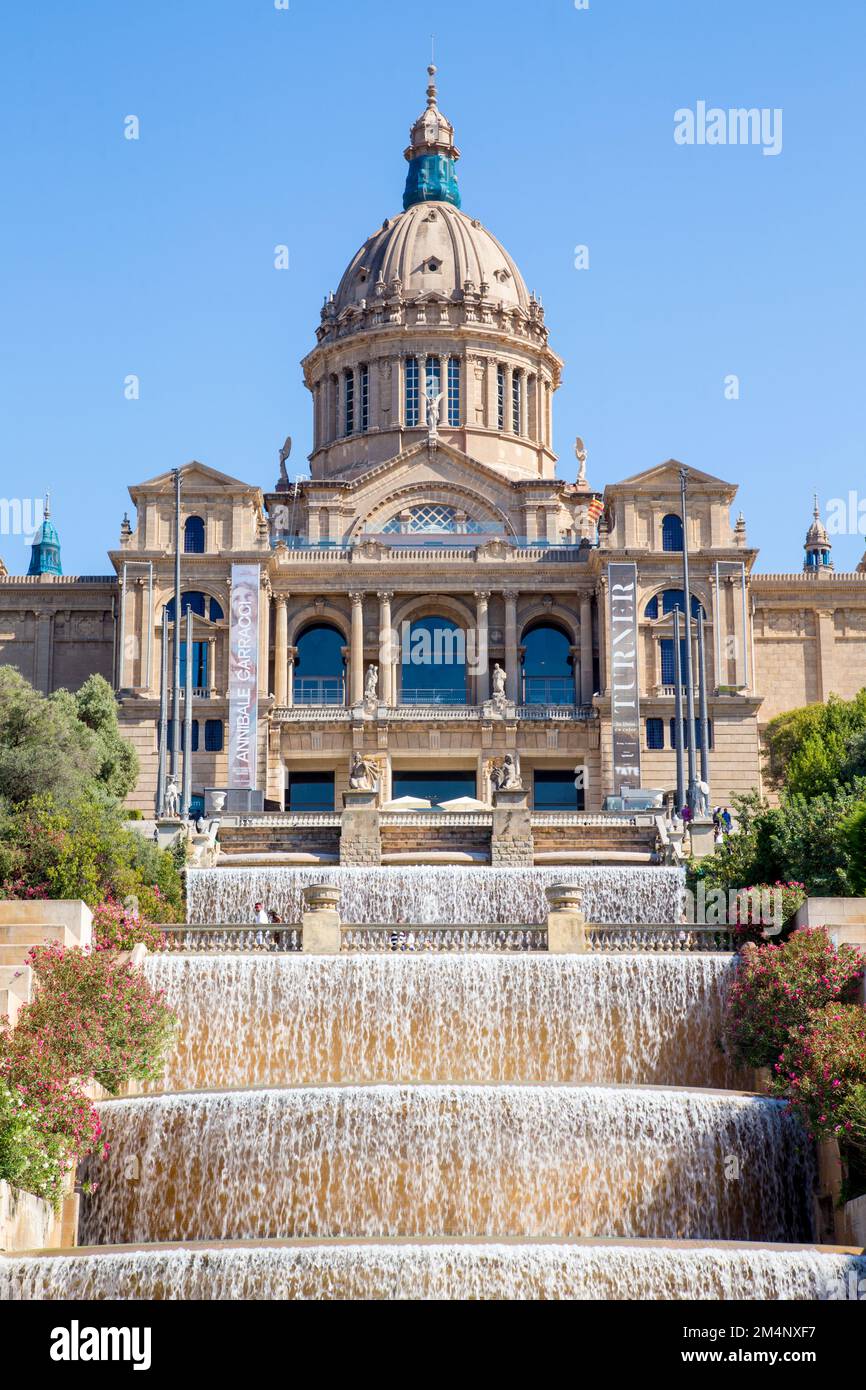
column 194, row 477
column 422, row 453
column 665, row 477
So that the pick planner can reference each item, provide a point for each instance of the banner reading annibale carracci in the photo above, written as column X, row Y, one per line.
column 243, row 676
column 625, row 693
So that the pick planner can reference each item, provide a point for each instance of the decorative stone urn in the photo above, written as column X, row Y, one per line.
column 218, row 802
column 564, row 897
column 566, row 925
column 321, row 897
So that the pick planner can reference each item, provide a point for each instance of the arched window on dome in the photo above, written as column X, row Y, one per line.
column 500, row 398
column 516, row 412
column 193, row 536
column 432, row 382
column 454, row 391
column 411, row 391
column 364, row 392
column 348, row 402
column 672, row 532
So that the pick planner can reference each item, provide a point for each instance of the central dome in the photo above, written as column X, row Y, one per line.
column 432, row 247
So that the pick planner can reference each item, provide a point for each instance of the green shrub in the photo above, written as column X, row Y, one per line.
column 822, row 1068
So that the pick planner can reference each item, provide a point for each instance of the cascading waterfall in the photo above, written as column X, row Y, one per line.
column 506, row 1161
column 441, row 1271
column 445, row 1126
column 444, row 893
column 299, row 1020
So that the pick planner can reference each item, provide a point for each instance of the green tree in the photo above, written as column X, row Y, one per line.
column 853, row 830
column 96, row 708
column 816, row 748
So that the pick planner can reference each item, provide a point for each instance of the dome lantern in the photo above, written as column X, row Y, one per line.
column 45, row 550
column 431, row 155
column 817, row 545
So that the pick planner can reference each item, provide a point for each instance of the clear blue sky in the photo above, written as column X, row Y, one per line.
column 262, row 126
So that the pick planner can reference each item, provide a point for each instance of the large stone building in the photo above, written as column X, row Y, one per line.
column 432, row 550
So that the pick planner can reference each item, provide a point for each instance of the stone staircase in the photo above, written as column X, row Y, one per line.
column 247, row 846
column 613, row 843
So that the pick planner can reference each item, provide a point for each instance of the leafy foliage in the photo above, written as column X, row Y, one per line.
column 82, row 849
column 822, row 1066
column 777, row 989
column 61, row 744
column 813, row 750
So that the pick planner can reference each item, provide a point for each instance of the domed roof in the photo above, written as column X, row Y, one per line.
column 432, row 247
column 817, row 532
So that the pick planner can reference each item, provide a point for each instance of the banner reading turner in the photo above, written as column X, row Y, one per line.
column 625, row 697
column 243, row 676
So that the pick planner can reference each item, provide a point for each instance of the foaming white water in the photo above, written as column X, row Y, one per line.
column 485, row 1271
column 313, row 1020
column 443, row 893
column 385, row 1161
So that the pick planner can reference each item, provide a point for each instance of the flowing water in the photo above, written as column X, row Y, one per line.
column 440, row 1271
column 446, row 893
column 445, row 1126
column 385, row 1161
column 298, row 1020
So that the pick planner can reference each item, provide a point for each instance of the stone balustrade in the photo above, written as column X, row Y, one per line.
column 437, row 937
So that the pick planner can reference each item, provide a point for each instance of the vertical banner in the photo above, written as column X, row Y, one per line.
column 625, row 695
column 243, row 676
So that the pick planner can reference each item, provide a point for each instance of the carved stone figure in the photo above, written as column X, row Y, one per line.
column 506, row 777
column 283, row 485
column 580, row 455
column 371, row 685
column 433, row 415
column 363, row 774
column 171, row 800
column 498, row 679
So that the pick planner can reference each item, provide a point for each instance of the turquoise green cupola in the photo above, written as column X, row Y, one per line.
column 431, row 155
column 45, row 550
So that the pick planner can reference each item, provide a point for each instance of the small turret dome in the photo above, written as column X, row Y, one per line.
column 817, row 544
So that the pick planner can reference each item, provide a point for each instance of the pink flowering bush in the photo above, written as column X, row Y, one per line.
column 776, row 989
column 747, row 911
column 820, row 1068
column 47, row 1122
column 93, row 1017
column 116, row 929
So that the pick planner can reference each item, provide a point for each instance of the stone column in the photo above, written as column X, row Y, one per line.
column 601, row 610
column 281, row 644
column 357, row 658
column 586, row 681
column 825, row 639
column 211, row 666
column 482, row 677
column 386, row 650
column 512, row 684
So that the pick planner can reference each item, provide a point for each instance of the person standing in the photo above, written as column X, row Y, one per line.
column 261, row 916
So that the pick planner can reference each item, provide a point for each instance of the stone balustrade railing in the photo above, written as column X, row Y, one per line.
column 292, row 820
column 231, row 940
column 460, row 940
column 566, row 932
column 664, row 939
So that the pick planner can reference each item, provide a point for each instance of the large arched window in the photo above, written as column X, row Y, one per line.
column 193, row 536
column 433, row 669
column 411, row 391
column 428, row 518
column 320, row 666
column 671, row 599
column 192, row 601
column 548, row 670
column 672, row 532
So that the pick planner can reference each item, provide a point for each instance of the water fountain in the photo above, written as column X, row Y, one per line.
column 445, row 1125
column 441, row 893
